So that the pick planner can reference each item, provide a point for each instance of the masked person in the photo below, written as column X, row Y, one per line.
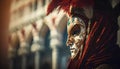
column 92, row 33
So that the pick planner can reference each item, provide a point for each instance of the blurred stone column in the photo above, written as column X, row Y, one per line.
column 24, row 48
column 47, row 2
column 55, row 44
column 13, row 42
column 39, row 4
column 11, row 52
column 118, row 36
column 37, row 46
column 55, row 39
column 114, row 3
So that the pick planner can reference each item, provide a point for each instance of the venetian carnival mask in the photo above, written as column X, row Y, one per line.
column 76, row 29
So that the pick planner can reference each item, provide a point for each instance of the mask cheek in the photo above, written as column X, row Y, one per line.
column 79, row 40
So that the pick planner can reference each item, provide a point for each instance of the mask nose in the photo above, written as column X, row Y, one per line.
column 70, row 41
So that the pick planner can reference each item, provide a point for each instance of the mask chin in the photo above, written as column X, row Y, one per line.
column 75, row 53
column 78, row 53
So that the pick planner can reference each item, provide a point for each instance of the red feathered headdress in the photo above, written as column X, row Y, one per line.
column 66, row 4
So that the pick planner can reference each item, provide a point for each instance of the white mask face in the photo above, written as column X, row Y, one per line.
column 76, row 36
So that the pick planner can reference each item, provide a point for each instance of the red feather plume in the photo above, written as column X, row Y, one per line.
column 65, row 4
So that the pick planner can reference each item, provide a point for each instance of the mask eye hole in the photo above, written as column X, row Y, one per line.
column 75, row 30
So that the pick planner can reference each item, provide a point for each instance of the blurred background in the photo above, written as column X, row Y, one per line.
column 37, row 41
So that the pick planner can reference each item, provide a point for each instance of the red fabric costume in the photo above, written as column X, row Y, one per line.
column 100, row 46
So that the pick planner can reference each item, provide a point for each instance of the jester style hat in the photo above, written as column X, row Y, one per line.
column 68, row 5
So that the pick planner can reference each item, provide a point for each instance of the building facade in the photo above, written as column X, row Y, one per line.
column 37, row 41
